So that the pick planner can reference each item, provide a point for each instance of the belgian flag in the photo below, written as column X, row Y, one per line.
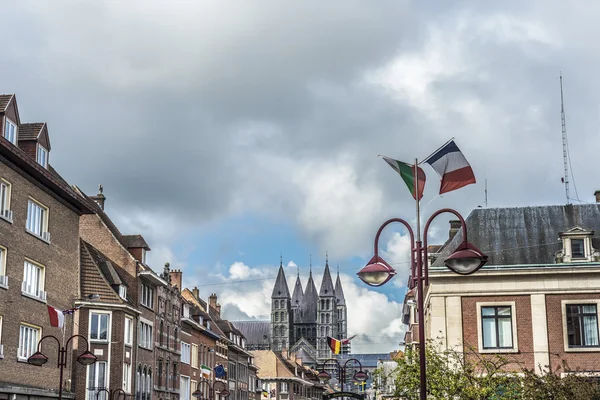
column 334, row 344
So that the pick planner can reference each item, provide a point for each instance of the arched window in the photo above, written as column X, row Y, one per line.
column 175, row 339
column 322, row 331
column 283, row 343
column 283, row 331
column 322, row 304
column 143, row 383
column 138, row 389
column 149, row 384
column 282, row 316
column 168, row 335
column 162, row 333
column 314, row 332
column 327, row 330
column 160, row 373
column 303, row 332
column 327, row 304
column 327, row 318
column 167, row 376
column 276, row 316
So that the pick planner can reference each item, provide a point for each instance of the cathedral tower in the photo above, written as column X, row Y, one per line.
column 281, row 312
column 326, row 314
column 342, row 313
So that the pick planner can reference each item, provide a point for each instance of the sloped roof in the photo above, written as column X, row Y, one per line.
column 280, row 289
column 201, row 310
column 135, row 241
column 298, row 293
column 4, row 101
column 310, row 301
column 30, row 131
column 523, row 235
column 339, row 292
column 326, row 284
column 369, row 360
column 256, row 332
column 92, row 279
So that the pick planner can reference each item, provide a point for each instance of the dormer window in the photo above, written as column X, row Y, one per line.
column 10, row 131
column 577, row 246
column 42, row 156
column 123, row 292
column 143, row 256
column 186, row 311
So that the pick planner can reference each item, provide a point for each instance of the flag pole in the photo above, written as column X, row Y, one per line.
column 417, row 199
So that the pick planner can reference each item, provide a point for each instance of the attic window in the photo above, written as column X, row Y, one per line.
column 577, row 248
column 42, row 156
column 123, row 292
column 10, row 131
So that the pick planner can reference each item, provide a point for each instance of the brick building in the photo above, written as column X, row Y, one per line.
column 39, row 255
column 537, row 299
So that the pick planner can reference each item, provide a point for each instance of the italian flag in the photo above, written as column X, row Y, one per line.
column 407, row 172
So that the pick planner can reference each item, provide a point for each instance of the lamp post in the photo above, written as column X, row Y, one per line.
column 465, row 260
column 111, row 395
column 199, row 393
column 325, row 376
column 39, row 359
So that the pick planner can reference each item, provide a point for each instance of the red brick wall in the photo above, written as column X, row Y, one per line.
column 525, row 357
column 556, row 339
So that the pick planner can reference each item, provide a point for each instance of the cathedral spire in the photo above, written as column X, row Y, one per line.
column 339, row 292
column 326, row 283
column 280, row 290
column 298, row 293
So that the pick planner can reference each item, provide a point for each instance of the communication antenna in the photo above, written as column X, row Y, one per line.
column 565, row 178
column 486, row 193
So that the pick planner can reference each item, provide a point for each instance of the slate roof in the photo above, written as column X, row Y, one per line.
column 523, row 235
column 257, row 333
column 298, row 293
column 339, row 292
column 92, row 279
column 369, row 360
column 310, row 301
column 326, row 284
column 30, row 131
column 4, row 100
column 135, row 241
column 281, row 290
column 103, row 216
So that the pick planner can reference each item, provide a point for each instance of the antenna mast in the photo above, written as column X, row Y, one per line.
column 564, row 141
column 486, row 193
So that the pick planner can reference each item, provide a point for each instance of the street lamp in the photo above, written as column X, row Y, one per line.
column 39, row 359
column 325, row 376
column 199, row 393
column 465, row 260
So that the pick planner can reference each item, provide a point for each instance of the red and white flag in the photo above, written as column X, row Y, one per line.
column 452, row 166
column 57, row 318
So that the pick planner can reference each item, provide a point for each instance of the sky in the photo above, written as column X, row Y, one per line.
column 231, row 133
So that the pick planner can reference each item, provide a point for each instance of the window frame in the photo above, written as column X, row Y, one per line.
column 514, row 328
column 147, row 293
column 126, row 378
column 194, row 361
column 128, row 331
column 96, row 395
column 564, row 304
column 46, row 155
column 3, row 257
column 41, row 285
column 147, row 336
column 188, row 359
column 8, row 121
column 582, row 256
column 123, row 292
column 21, row 358
column 5, row 205
column 108, row 314
column 44, row 222
column 188, row 394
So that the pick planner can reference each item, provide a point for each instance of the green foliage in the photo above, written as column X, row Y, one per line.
column 469, row 375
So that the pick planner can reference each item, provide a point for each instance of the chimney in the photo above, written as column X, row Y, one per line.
column 597, row 194
column 196, row 292
column 212, row 300
column 166, row 275
column 454, row 228
column 176, row 278
column 218, row 310
column 99, row 198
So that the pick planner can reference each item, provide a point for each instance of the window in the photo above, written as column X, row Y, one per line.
column 185, row 353
column 162, row 333
column 194, row 354
column 127, row 378
column 99, row 323
column 582, row 325
column 42, row 156
column 193, row 385
column 284, row 387
column 10, row 131
column 128, row 331
column 184, row 389
column 123, row 292
column 33, row 280
column 28, row 341
column 145, row 335
column 5, row 189
column 37, row 216
column 3, row 281
column 496, row 326
column 96, row 381
column 147, row 296
column 577, row 248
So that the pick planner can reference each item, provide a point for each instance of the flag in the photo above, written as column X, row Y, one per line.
column 205, row 370
column 71, row 310
column 220, row 371
column 347, row 340
column 335, row 345
column 407, row 172
column 57, row 318
column 452, row 166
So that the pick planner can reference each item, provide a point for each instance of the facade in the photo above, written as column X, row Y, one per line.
column 304, row 320
column 284, row 377
column 39, row 255
column 537, row 299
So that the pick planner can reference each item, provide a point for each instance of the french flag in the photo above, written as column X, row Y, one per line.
column 452, row 166
column 57, row 318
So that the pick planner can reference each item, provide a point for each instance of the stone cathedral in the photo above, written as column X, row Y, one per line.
column 300, row 323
